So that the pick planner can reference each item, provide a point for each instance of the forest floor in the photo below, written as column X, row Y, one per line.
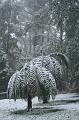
column 65, row 107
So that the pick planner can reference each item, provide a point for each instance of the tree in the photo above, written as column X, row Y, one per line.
column 4, row 70
column 32, row 81
column 29, row 27
column 7, row 33
column 72, row 34
column 66, row 18
column 36, row 79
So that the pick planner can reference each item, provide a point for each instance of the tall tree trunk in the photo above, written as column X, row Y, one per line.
column 30, row 43
column 45, row 100
column 61, row 26
column 61, row 36
column 29, row 103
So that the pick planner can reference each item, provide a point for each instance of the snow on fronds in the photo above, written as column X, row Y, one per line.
column 49, row 63
column 11, row 84
column 63, row 58
column 46, row 76
column 16, row 85
column 53, row 66
column 40, row 76
column 47, row 83
column 32, row 80
column 20, row 84
column 36, row 78
column 26, row 66
column 23, row 82
column 30, row 77
column 37, row 61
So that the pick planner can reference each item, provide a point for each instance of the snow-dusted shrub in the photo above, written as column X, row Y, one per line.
column 35, row 76
column 32, row 80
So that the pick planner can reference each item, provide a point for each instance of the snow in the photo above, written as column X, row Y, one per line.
column 68, row 96
column 7, row 104
column 69, row 111
column 72, row 106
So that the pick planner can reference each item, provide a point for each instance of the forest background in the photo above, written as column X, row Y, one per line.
column 28, row 27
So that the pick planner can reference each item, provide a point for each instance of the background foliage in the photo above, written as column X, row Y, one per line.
column 29, row 27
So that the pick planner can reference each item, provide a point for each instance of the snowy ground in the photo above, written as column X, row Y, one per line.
column 65, row 107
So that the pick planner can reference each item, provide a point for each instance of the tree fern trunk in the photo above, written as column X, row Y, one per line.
column 29, row 102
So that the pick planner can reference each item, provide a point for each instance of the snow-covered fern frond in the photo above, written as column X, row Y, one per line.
column 62, row 56
column 35, row 81
column 50, row 63
column 10, row 88
column 47, row 84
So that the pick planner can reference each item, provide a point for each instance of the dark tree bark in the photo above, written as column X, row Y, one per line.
column 45, row 100
column 29, row 103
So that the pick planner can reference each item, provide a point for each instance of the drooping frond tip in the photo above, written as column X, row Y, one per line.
column 63, row 57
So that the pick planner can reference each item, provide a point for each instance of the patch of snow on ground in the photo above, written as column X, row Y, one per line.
column 22, row 104
column 7, row 104
column 67, row 96
column 72, row 106
column 11, row 104
column 68, row 111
